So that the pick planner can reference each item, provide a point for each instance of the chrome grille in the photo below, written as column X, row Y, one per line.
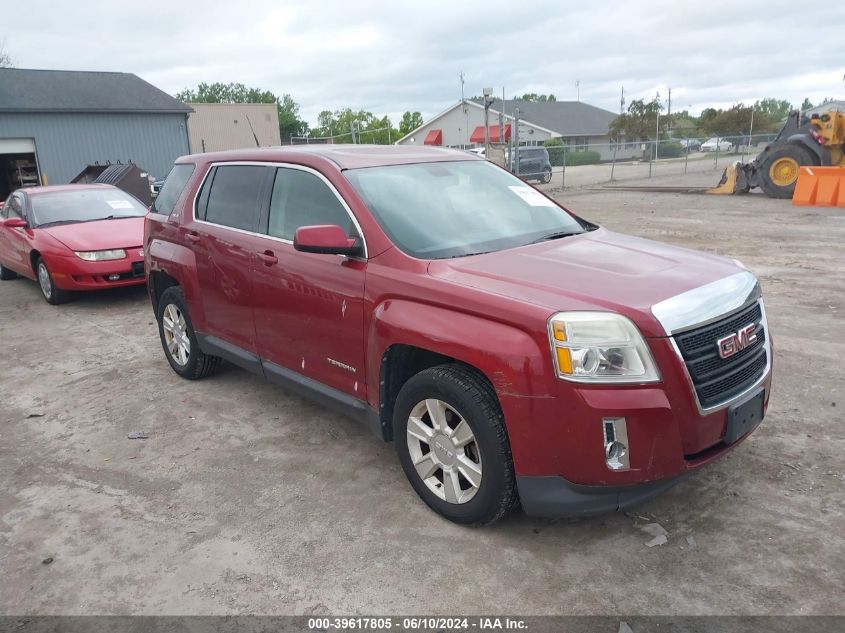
column 716, row 379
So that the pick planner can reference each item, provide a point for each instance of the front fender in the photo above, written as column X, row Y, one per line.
column 807, row 142
column 517, row 364
column 180, row 263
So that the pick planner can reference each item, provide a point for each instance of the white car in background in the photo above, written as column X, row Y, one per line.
column 716, row 144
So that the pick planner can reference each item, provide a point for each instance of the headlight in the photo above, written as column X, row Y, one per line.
column 101, row 256
column 600, row 347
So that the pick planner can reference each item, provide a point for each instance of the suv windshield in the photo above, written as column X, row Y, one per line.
column 84, row 205
column 451, row 209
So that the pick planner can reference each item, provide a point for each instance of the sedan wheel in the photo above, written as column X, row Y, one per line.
column 44, row 281
column 53, row 295
column 444, row 451
column 176, row 334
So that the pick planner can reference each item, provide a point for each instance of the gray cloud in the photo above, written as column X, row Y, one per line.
column 397, row 56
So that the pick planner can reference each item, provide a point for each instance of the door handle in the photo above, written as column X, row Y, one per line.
column 268, row 258
column 194, row 237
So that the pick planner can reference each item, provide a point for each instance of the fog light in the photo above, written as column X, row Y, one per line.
column 615, row 443
column 114, row 277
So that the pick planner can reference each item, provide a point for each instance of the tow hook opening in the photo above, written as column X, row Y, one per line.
column 616, row 443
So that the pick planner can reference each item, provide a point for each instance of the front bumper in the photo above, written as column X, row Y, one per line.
column 73, row 273
column 555, row 497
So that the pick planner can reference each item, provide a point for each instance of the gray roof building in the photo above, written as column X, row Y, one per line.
column 580, row 125
column 565, row 118
column 54, row 123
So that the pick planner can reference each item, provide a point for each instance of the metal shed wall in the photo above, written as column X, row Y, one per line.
column 66, row 142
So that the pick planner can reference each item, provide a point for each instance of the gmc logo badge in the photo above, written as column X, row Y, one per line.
column 737, row 341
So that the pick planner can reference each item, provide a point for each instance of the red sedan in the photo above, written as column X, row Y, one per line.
column 72, row 237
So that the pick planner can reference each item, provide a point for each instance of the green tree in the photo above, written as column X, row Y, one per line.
column 410, row 122
column 774, row 109
column 287, row 109
column 367, row 127
column 533, row 96
column 5, row 59
column 806, row 104
column 640, row 121
column 736, row 120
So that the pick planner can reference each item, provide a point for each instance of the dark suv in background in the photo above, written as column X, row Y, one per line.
column 533, row 164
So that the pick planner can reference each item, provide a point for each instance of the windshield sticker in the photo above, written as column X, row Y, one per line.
column 532, row 196
column 119, row 204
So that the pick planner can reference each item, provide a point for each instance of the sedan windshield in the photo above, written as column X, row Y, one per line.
column 83, row 205
column 453, row 209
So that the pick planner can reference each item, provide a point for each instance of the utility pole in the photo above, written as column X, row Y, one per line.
column 464, row 108
column 578, row 89
column 488, row 100
column 622, row 102
column 669, row 110
column 502, row 119
column 352, row 130
column 514, row 157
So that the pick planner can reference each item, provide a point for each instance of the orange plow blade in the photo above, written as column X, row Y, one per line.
column 820, row 187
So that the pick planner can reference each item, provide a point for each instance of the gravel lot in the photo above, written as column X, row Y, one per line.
column 245, row 499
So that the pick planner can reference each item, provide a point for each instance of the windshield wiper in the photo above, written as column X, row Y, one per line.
column 469, row 254
column 554, row 236
column 110, row 217
column 55, row 222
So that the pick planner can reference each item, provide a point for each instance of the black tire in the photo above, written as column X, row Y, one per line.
column 547, row 175
column 797, row 153
column 6, row 274
column 198, row 364
column 52, row 295
column 473, row 397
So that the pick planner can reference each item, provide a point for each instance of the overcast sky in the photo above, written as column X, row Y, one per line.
column 388, row 57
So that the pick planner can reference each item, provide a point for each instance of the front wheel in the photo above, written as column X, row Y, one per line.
column 779, row 170
column 453, row 446
column 179, row 340
column 547, row 175
column 53, row 296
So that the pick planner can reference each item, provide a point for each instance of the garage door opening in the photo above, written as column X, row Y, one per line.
column 18, row 165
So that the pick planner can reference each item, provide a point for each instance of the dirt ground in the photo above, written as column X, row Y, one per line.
column 246, row 499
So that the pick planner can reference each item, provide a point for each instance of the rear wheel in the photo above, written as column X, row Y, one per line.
column 452, row 443
column 53, row 296
column 6, row 274
column 547, row 175
column 779, row 170
column 179, row 340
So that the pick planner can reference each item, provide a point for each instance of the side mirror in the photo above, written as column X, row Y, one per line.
column 326, row 239
column 15, row 223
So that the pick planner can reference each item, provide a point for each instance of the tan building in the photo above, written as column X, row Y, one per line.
column 219, row 126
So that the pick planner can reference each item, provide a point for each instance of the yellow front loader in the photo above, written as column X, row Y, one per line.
column 818, row 140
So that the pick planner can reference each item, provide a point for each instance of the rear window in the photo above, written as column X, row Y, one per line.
column 234, row 196
column 174, row 184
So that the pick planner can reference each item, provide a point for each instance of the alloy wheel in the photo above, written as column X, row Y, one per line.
column 444, row 451
column 44, row 280
column 176, row 334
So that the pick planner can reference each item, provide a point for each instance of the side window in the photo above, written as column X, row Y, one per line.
column 14, row 208
column 233, row 198
column 174, row 184
column 302, row 199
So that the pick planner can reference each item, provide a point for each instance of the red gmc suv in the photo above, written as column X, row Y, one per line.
column 514, row 352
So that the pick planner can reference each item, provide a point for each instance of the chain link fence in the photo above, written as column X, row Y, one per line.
column 575, row 165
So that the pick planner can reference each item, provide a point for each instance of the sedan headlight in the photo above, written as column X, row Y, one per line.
column 600, row 347
column 101, row 256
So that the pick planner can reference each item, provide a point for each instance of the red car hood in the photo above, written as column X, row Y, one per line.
column 596, row 270
column 100, row 235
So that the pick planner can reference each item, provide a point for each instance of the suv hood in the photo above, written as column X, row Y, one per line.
column 99, row 235
column 598, row 270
